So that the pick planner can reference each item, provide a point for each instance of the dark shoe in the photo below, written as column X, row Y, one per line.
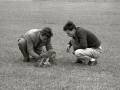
column 78, row 61
column 92, row 63
column 26, row 60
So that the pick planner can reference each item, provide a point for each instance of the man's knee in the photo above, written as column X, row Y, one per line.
column 78, row 52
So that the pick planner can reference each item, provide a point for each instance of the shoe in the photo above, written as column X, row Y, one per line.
column 92, row 63
column 26, row 60
column 78, row 61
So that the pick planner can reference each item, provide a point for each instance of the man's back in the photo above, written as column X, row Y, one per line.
column 87, row 38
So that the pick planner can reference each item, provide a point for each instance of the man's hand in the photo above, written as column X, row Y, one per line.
column 68, row 48
column 46, row 59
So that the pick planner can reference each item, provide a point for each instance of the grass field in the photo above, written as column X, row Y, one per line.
column 102, row 18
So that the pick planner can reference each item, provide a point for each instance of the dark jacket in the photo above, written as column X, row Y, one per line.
column 85, row 39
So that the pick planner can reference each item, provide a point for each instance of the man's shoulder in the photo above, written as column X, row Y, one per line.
column 32, row 31
column 81, row 29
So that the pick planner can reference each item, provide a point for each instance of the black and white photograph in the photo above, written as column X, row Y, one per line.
column 59, row 45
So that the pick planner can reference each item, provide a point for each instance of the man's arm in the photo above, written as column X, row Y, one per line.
column 70, row 44
column 49, row 45
column 30, row 47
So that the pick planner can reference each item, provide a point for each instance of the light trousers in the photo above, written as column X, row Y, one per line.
column 86, row 54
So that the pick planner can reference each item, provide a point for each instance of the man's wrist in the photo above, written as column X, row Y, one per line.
column 69, row 45
column 37, row 57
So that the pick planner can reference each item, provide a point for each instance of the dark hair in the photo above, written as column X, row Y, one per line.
column 69, row 26
column 47, row 32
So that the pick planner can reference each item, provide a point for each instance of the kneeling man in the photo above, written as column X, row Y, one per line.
column 87, row 47
column 32, row 42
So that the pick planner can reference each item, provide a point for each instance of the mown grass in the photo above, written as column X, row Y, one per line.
column 100, row 18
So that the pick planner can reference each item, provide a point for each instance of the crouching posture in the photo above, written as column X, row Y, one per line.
column 87, row 47
column 32, row 42
column 47, row 59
